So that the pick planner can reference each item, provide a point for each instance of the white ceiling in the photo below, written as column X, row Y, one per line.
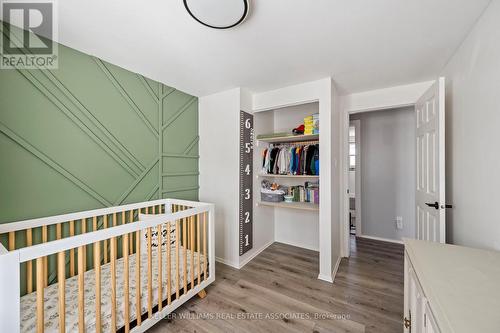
column 362, row 44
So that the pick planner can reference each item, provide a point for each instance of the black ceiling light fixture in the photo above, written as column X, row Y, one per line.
column 218, row 14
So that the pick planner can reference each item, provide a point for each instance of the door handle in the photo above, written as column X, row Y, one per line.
column 436, row 205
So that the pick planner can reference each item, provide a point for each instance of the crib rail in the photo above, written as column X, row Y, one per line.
column 111, row 235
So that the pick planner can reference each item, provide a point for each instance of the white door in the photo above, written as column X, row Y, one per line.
column 430, row 196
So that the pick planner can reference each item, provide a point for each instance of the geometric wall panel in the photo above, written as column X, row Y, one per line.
column 91, row 135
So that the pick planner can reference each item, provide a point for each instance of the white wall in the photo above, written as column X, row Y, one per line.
column 219, row 168
column 473, row 135
column 387, row 172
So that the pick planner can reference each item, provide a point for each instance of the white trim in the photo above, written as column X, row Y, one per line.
column 375, row 100
column 297, row 245
column 381, row 239
column 226, row 262
column 325, row 278
column 336, row 268
column 256, row 253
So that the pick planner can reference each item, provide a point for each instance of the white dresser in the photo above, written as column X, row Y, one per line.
column 450, row 288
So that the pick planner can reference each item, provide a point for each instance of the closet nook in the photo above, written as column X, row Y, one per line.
column 286, row 166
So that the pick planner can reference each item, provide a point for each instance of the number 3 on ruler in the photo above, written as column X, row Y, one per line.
column 247, row 193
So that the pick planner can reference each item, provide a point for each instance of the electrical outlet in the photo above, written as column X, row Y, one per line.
column 399, row 222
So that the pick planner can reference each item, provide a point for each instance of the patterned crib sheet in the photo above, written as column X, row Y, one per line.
column 51, row 309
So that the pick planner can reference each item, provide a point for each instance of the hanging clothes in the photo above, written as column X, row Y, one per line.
column 291, row 159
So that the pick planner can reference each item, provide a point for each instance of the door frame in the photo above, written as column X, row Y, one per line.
column 371, row 101
column 357, row 175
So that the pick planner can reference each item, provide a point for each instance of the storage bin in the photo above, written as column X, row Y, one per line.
column 272, row 197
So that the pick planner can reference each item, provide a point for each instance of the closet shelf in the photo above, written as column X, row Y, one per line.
column 294, row 138
column 292, row 205
column 287, row 176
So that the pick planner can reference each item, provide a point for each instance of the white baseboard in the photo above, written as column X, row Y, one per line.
column 381, row 239
column 331, row 278
column 297, row 245
column 336, row 268
column 256, row 253
column 244, row 262
column 227, row 262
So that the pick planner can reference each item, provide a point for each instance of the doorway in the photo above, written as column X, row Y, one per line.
column 381, row 157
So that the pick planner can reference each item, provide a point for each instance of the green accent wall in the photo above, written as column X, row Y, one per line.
column 91, row 134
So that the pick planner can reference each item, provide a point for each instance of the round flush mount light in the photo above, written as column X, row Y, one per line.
column 218, row 14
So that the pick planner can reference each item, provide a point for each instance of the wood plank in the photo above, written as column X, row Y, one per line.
column 177, row 275
column 184, row 257
column 126, row 283
column 113, row 279
column 198, row 249
column 138, row 311
column 40, row 285
column 29, row 264
column 205, row 245
column 97, row 271
column 61, row 282
column 160, row 268
column 45, row 259
column 105, row 242
column 131, row 238
column 72, row 253
column 12, row 241
column 150, row 276
column 81, row 289
column 169, row 266
column 191, row 221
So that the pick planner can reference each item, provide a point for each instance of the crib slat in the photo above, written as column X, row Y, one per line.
column 177, row 277
column 84, row 230
column 72, row 251
column 126, row 286
column 198, row 246
column 160, row 268
column 138, row 311
column 29, row 264
column 114, row 219
column 81, row 289
column 191, row 218
column 105, row 222
column 205, row 245
column 113, row 280
column 169, row 266
column 58, row 231
column 45, row 259
column 184, row 243
column 150, row 276
column 40, row 283
column 131, row 238
column 61, row 282
column 12, row 241
column 97, row 270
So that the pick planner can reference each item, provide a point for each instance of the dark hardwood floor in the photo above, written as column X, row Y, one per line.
column 278, row 291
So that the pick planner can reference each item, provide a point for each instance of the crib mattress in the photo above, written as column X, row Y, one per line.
column 51, row 309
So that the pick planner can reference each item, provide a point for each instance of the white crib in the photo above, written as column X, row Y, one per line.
column 107, row 269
